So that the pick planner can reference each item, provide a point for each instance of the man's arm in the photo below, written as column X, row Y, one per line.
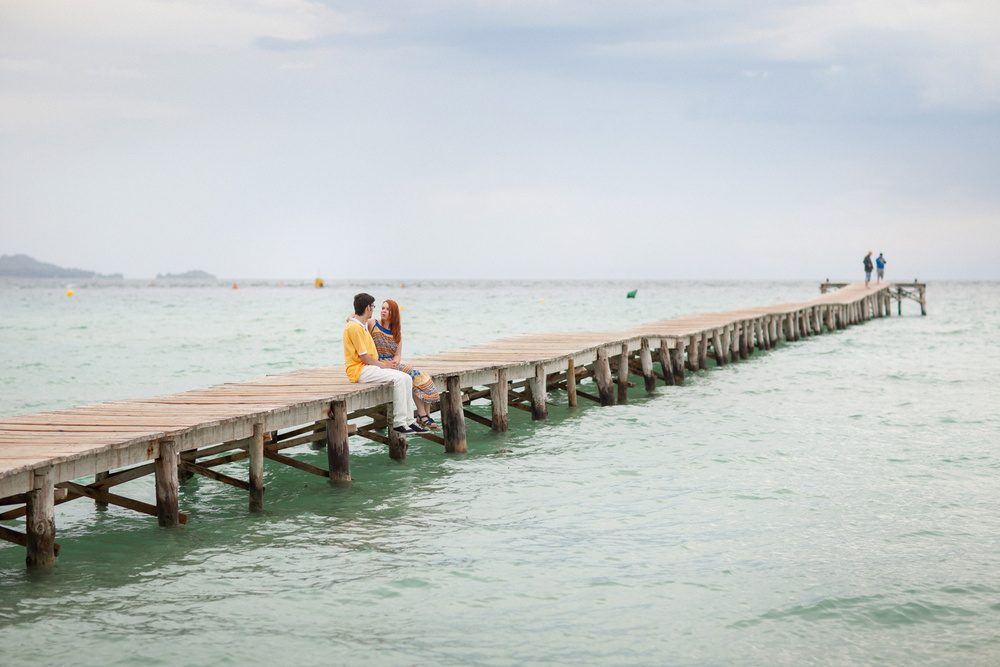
column 368, row 360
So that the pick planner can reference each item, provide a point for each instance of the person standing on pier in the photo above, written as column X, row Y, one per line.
column 363, row 365
column 868, row 268
column 880, row 266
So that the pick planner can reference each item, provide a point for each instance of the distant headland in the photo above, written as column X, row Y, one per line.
column 188, row 275
column 22, row 266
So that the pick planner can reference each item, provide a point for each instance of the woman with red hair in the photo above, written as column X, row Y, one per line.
column 388, row 336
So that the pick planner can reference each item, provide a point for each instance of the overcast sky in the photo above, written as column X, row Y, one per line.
column 502, row 139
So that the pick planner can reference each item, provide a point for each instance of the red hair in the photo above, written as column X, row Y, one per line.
column 394, row 325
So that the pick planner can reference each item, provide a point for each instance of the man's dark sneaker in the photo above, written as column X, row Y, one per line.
column 401, row 429
column 417, row 428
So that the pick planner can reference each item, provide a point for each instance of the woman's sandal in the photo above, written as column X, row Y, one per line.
column 428, row 422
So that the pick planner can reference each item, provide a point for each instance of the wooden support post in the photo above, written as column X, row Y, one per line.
column 41, row 520
column 692, row 354
column 734, row 348
column 498, row 401
column 743, row 341
column 727, row 345
column 453, row 418
column 761, row 336
column 338, row 451
column 923, row 300
column 397, row 441
column 602, row 376
column 623, row 375
column 571, row 383
column 538, row 389
column 100, row 477
column 703, row 351
column 646, row 361
column 167, row 484
column 750, row 334
column 665, row 365
column 899, row 301
column 257, row 469
column 678, row 363
column 720, row 353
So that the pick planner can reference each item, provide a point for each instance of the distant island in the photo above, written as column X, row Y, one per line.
column 189, row 275
column 22, row 266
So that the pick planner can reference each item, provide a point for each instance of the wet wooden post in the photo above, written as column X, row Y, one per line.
column 743, row 341
column 498, row 402
column 727, row 345
column 734, row 342
column 720, row 353
column 899, row 301
column 692, row 353
column 338, row 453
column 703, row 351
column 538, row 388
column 167, row 484
column 453, row 417
column 100, row 477
column 623, row 375
column 646, row 361
column 602, row 376
column 761, row 336
column 41, row 519
column 257, row 469
column 571, row 382
column 923, row 300
column 397, row 441
column 677, row 357
column 665, row 364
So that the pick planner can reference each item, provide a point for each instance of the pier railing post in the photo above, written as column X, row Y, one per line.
column 646, row 362
column 498, row 401
column 453, row 417
column 538, row 388
column 338, row 452
column 41, row 520
column 257, row 469
column 602, row 376
column 167, row 484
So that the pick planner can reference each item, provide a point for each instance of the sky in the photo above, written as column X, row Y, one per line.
column 502, row 139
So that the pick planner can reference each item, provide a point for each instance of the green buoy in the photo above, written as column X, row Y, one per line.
column 631, row 295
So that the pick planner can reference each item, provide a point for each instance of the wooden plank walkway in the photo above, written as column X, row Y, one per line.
column 196, row 431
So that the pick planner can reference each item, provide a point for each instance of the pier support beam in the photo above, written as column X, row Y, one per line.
column 665, row 364
column 498, row 401
column 692, row 354
column 338, row 453
column 397, row 441
column 453, row 418
column 167, row 484
column 646, row 362
column 623, row 375
column 41, row 520
column 734, row 342
column 538, row 389
column 571, row 383
column 677, row 356
column 703, row 352
column 720, row 353
column 602, row 376
column 257, row 469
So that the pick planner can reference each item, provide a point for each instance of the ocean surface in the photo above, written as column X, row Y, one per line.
column 834, row 501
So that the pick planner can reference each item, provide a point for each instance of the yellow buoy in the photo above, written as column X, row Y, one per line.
column 69, row 293
column 319, row 282
column 541, row 301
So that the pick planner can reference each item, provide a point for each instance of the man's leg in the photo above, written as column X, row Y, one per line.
column 402, row 386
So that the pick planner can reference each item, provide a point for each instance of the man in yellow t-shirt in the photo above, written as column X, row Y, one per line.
column 363, row 365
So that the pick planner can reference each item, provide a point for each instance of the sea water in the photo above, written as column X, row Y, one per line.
column 833, row 501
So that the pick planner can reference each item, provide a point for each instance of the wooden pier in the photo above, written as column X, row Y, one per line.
column 45, row 457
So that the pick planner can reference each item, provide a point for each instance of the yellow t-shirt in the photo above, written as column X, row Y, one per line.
column 357, row 340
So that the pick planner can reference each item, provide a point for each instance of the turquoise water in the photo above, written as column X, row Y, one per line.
column 834, row 501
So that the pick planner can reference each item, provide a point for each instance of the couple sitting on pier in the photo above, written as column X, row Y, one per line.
column 372, row 350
